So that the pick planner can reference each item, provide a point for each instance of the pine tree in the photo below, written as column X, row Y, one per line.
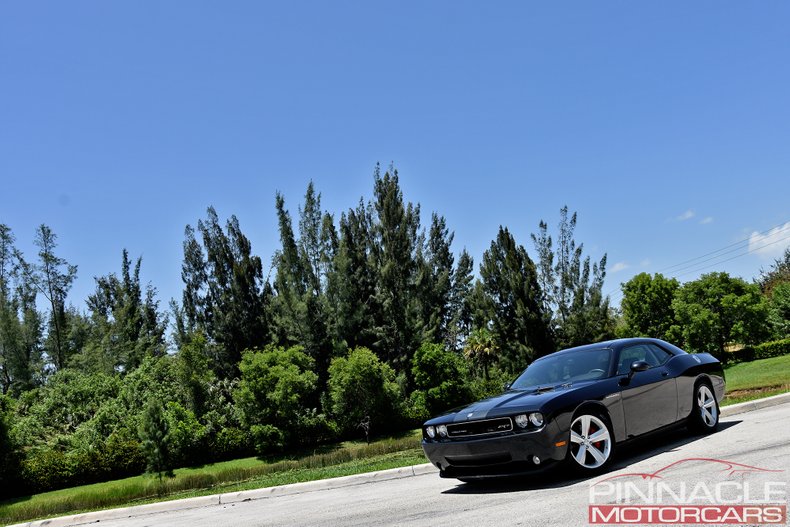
column 225, row 295
column 21, row 324
column 394, row 249
column 352, row 284
column 460, row 308
column 512, row 301
column 301, row 308
column 126, row 327
column 435, row 282
column 53, row 276
column 154, row 433
column 572, row 286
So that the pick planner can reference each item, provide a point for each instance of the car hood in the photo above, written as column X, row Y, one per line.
column 512, row 401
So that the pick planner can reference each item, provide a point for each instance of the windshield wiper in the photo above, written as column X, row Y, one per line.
column 544, row 389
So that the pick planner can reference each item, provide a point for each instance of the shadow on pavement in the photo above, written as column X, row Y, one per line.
column 626, row 455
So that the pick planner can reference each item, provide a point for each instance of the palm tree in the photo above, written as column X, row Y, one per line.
column 482, row 349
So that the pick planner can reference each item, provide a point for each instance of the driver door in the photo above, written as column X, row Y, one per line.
column 650, row 398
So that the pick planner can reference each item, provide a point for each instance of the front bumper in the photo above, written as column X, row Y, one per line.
column 504, row 454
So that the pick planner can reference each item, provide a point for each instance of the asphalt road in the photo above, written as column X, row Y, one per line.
column 758, row 439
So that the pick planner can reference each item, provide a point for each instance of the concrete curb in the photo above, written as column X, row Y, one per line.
column 233, row 497
column 757, row 404
column 309, row 486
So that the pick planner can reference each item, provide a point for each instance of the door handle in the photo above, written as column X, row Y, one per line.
column 664, row 373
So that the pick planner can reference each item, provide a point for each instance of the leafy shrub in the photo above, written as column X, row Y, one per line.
column 495, row 384
column 9, row 468
column 45, row 469
column 230, row 442
column 122, row 455
column 69, row 399
column 363, row 389
column 273, row 393
column 440, row 378
column 267, row 438
column 186, row 438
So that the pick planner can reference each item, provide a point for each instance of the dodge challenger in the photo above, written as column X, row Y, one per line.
column 575, row 406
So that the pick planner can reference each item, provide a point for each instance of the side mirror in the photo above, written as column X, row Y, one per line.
column 506, row 386
column 637, row 366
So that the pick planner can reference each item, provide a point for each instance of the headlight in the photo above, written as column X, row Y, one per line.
column 536, row 418
column 431, row 431
column 442, row 430
column 522, row 420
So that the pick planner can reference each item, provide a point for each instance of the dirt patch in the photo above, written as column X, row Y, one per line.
column 757, row 391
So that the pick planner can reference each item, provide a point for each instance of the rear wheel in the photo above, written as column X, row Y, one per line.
column 704, row 416
column 591, row 443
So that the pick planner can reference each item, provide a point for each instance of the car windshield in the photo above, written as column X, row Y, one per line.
column 565, row 367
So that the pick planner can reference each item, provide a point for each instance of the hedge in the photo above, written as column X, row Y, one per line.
column 765, row 350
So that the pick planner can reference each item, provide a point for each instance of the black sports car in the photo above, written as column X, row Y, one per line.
column 576, row 405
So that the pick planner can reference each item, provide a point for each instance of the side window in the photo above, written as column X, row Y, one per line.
column 629, row 355
column 649, row 353
column 660, row 355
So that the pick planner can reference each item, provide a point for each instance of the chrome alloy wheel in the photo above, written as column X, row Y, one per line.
column 591, row 442
column 709, row 411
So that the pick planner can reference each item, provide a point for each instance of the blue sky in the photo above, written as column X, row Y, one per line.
column 665, row 125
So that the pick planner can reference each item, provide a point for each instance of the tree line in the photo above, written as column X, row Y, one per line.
column 361, row 323
column 716, row 313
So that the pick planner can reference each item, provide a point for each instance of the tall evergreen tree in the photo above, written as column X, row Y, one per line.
column 435, row 282
column 53, row 276
column 21, row 324
column 572, row 285
column 352, row 284
column 461, row 317
column 512, row 302
column 396, row 232
column 127, row 326
column 225, row 295
column 300, row 305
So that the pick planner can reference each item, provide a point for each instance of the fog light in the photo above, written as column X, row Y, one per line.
column 536, row 418
column 431, row 431
column 536, row 460
column 522, row 420
column 442, row 429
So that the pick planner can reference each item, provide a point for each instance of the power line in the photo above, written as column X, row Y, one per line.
column 681, row 266
column 750, row 251
column 741, row 242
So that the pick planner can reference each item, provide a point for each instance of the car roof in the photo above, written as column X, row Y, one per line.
column 616, row 344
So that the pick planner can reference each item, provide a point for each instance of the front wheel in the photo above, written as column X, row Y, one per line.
column 591, row 443
column 704, row 416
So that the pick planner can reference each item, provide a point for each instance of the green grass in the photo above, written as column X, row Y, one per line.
column 229, row 476
column 757, row 379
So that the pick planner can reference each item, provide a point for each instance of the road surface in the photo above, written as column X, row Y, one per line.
column 758, row 439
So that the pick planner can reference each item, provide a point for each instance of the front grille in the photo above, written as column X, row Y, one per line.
column 478, row 428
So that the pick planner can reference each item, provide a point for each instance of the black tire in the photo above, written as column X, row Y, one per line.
column 585, row 454
column 704, row 417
